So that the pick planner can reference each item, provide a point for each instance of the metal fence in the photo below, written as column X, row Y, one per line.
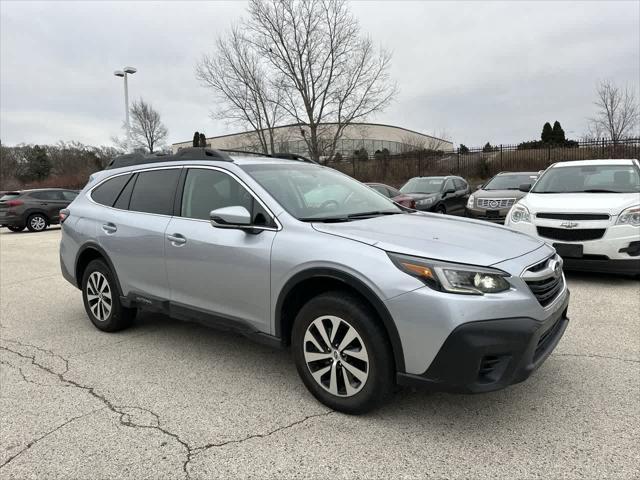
column 479, row 163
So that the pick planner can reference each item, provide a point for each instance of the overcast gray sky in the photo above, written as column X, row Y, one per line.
column 481, row 71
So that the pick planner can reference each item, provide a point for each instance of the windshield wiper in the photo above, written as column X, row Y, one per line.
column 348, row 218
column 599, row 190
column 372, row 214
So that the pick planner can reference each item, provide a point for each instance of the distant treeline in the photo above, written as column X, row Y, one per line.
column 61, row 165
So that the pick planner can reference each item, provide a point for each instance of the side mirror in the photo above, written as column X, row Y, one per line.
column 230, row 217
column 448, row 191
column 479, row 187
column 525, row 187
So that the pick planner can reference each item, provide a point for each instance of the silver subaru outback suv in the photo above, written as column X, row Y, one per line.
column 366, row 293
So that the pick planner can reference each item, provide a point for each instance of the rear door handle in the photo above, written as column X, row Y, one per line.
column 109, row 228
column 177, row 239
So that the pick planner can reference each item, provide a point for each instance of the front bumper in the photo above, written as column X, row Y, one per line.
column 616, row 252
column 489, row 355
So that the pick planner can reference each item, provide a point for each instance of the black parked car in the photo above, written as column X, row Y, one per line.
column 438, row 194
column 34, row 209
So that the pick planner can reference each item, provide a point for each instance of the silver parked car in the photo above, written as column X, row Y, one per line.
column 366, row 293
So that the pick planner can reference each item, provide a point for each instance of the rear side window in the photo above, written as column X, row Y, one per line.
column 154, row 191
column 107, row 192
column 122, row 202
column 10, row 196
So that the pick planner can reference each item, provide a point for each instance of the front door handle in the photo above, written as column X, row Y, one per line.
column 109, row 228
column 177, row 239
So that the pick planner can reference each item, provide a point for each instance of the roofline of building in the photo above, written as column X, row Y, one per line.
column 324, row 123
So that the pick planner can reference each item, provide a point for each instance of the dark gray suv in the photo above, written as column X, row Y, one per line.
column 34, row 209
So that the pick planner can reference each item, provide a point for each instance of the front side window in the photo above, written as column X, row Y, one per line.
column 206, row 190
column 380, row 189
column 590, row 179
column 47, row 195
column 423, row 185
column 154, row 191
column 310, row 192
column 69, row 195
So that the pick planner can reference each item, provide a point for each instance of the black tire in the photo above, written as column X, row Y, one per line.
column 118, row 317
column 37, row 222
column 16, row 228
column 380, row 366
column 441, row 209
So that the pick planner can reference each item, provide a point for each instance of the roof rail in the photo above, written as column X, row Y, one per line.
column 284, row 156
column 191, row 153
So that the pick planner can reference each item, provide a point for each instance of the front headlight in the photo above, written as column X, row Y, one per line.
column 630, row 216
column 451, row 277
column 470, row 201
column 520, row 213
column 425, row 201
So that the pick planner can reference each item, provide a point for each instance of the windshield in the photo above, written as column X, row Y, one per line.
column 312, row 193
column 423, row 185
column 589, row 179
column 510, row 182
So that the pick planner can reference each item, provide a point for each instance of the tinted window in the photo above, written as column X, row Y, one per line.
column 460, row 184
column 448, row 185
column 154, row 191
column 107, row 192
column 46, row 195
column 510, row 182
column 122, row 202
column 206, row 190
column 69, row 195
column 10, row 196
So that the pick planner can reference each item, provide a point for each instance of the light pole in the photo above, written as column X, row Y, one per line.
column 123, row 73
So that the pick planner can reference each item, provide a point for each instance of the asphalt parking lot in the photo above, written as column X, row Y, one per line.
column 167, row 399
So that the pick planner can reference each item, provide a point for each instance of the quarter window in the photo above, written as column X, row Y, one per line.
column 206, row 190
column 154, row 191
column 107, row 192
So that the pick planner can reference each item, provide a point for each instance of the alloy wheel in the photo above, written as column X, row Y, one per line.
column 38, row 223
column 99, row 298
column 336, row 356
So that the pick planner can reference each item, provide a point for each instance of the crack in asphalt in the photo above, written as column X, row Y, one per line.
column 593, row 355
column 123, row 411
column 50, row 432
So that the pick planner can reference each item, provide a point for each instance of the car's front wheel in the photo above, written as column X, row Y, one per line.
column 101, row 299
column 37, row 222
column 342, row 353
column 16, row 228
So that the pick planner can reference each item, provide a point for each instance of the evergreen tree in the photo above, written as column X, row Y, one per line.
column 557, row 133
column 463, row 149
column 203, row 140
column 196, row 139
column 487, row 147
column 547, row 133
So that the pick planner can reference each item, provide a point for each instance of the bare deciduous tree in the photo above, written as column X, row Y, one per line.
column 618, row 111
column 238, row 78
column 147, row 130
column 308, row 59
column 434, row 142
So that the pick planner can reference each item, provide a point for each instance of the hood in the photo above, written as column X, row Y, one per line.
column 517, row 194
column 610, row 203
column 438, row 237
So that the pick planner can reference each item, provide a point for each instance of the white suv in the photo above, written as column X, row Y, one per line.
column 589, row 211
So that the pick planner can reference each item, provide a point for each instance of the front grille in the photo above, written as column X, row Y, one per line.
column 546, row 338
column 574, row 216
column 571, row 235
column 546, row 290
column 495, row 203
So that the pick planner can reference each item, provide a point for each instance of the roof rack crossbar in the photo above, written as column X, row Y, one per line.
column 193, row 153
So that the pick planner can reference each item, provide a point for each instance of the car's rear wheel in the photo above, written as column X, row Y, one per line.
column 36, row 222
column 342, row 354
column 15, row 228
column 101, row 299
